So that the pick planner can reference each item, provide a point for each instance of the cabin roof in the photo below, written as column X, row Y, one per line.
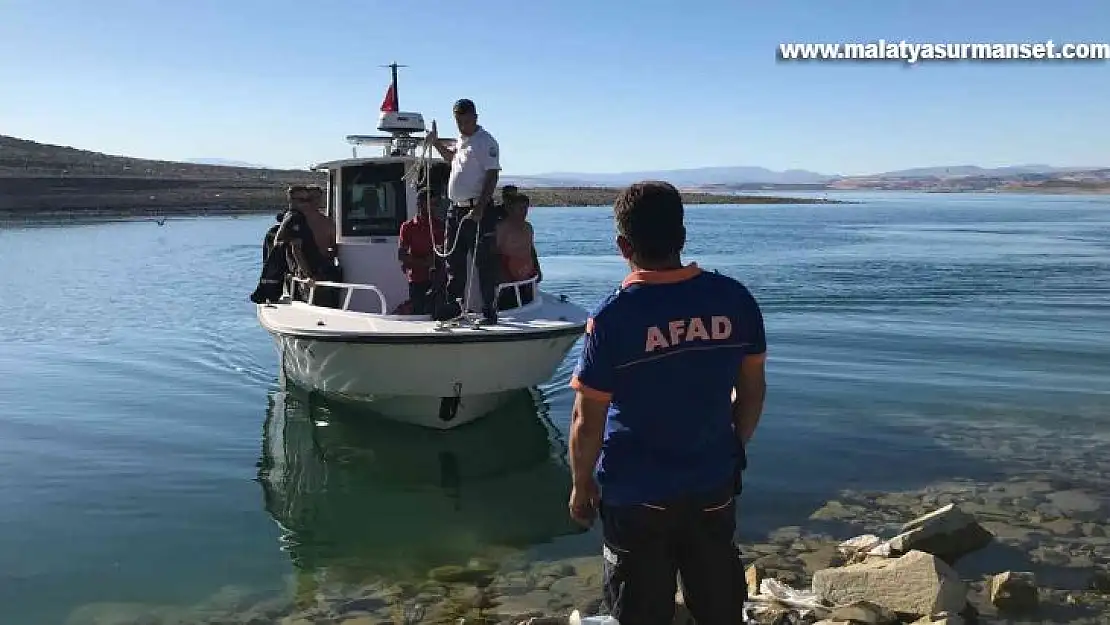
column 382, row 160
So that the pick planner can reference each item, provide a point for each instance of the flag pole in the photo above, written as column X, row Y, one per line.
column 396, row 97
column 393, row 70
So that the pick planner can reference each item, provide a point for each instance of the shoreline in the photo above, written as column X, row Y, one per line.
column 1046, row 514
column 208, row 199
column 1058, row 538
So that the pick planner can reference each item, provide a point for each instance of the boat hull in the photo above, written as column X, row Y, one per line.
column 412, row 369
column 434, row 385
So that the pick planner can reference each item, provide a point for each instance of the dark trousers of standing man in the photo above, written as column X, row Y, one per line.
column 485, row 258
column 647, row 545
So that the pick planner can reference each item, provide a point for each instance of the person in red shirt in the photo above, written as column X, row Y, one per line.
column 418, row 260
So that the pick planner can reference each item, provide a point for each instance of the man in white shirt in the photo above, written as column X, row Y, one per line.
column 475, row 166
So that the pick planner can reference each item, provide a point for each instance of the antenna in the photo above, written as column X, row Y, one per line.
column 393, row 67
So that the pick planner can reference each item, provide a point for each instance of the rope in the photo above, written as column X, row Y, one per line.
column 421, row 173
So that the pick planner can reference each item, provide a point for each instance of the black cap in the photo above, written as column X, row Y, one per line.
column 464, row 105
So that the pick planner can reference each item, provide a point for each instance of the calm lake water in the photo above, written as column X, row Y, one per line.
column 147, row 453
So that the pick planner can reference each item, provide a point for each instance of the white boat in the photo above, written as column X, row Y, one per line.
column 410, row 368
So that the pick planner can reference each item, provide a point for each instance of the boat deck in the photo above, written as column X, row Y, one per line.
column 548, row 316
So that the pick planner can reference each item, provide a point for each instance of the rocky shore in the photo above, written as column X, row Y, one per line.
column 1037, row 524
column 1024, row 550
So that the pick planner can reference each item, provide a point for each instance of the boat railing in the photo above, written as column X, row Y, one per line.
column 515, row 286
column 349, row 289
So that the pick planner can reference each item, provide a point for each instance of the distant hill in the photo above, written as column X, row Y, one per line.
column 42, row 179
column 223, row 162
column 973, row 170
column 951, row 178
column 39, row 180
column 692, row 177
column 20, row 157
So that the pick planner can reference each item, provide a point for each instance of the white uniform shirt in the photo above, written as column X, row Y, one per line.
column 475, row 155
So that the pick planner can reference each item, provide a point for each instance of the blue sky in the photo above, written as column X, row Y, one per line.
column 572, row 85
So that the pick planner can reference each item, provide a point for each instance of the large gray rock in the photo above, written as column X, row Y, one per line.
column 948, row 533
column 917, row 584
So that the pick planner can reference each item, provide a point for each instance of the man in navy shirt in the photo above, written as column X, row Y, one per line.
column 670, row 387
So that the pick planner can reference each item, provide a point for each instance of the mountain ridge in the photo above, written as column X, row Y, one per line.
column 762, row 175
column 40, row 181
column 25, row 157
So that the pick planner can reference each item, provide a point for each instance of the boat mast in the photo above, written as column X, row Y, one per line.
column 398, row 124
column 393, row 70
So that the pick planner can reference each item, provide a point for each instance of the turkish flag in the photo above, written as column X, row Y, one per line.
column 389, row 104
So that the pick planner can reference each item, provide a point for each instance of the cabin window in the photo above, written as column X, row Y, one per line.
column 373, row 198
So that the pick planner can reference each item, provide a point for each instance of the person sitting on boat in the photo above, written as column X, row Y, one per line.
column 308, row 200
column 416, row 254
column 516, row 244
column 309, row 237
column 502, row 208
column 274, row 267
column 475, row 166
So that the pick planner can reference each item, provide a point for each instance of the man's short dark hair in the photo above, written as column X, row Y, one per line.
column 649, row 214
column 509, row 189
column 518, row 199
column 465, row 105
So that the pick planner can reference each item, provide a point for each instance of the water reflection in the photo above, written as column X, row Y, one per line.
column 361, row 499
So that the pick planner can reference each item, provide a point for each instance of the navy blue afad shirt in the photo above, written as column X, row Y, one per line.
column 665, row 351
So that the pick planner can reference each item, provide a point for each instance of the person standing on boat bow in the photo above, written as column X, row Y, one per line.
column 475, row 166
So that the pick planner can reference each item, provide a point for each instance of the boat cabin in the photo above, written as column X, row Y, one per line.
column 368, row 198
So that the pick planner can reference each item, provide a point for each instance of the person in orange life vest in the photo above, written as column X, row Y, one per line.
column 517, row 247
column 414, row 251
column 669, row 390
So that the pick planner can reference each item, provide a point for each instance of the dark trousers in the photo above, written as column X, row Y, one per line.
column 420, row 297
column 485, row 256
column 645, row 546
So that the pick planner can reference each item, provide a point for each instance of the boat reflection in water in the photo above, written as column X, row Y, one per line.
column 362, row 499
